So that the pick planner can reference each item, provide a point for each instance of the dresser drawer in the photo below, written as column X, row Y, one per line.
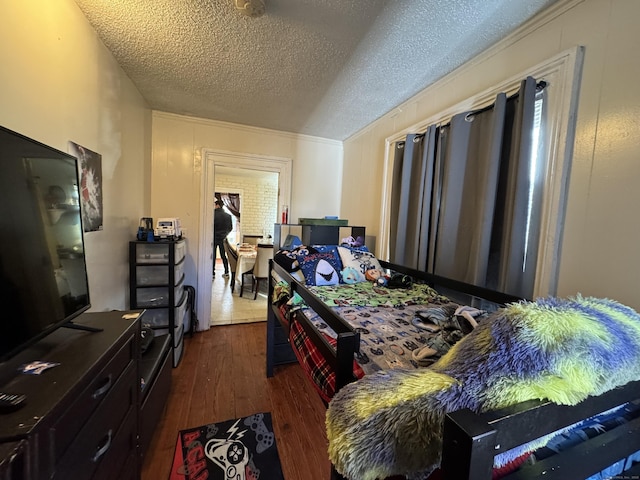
column 155, row 399
column 13, row 460
column 66, row 428
column 99, row 437
column 129, row 471
column 120, row 462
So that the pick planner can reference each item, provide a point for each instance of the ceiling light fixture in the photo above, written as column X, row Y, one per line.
column 250, row 8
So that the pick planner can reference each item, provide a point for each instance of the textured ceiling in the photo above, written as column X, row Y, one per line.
column 325, row 68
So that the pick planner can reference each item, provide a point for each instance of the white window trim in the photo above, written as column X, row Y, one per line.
column 563, row 74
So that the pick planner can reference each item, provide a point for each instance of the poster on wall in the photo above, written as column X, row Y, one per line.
column 90, row 166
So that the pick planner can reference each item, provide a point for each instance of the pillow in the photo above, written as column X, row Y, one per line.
column 359, row 260
column 290, row 259
column 321, row 268
column 325, row 248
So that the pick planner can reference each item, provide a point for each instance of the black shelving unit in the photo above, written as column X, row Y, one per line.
column 156, row 284
column 310, row 234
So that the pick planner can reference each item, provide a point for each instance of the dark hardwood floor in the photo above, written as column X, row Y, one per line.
column 222, row 376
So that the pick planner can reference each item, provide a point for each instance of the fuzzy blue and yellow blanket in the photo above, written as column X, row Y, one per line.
column 563, row 350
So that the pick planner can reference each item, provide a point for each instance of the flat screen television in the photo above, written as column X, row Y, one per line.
column 43, row 275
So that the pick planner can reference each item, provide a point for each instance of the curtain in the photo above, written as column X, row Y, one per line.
column 470, row 167
column 395, row 236
column 231, row 201
column 464, row 201
column 522, row 198
column 411, row 194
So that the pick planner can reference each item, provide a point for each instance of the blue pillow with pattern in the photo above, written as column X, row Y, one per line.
column 290, row 259
column 322, row 268
column 360, row 260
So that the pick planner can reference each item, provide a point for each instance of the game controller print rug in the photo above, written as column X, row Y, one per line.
column 240, row 449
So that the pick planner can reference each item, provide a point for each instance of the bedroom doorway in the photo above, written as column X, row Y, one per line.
column 212, row 162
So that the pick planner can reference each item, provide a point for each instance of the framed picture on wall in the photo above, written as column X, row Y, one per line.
column 90, row 166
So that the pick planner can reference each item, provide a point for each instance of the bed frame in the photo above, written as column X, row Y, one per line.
column 470, row 441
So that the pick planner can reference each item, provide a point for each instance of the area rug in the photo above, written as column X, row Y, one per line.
column 239, row 449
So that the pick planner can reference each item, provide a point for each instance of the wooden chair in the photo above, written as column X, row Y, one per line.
column 261, row 267
column 244, row 274
column 232, row 258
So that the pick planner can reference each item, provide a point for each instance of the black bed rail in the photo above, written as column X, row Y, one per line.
column 347, row 341
column 454, row 285
column 341, row 358
column 470, row 441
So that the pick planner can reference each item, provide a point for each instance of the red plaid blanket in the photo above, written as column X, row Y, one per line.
column 313, row 363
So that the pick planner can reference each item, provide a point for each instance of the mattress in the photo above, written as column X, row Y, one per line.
column 390, row 322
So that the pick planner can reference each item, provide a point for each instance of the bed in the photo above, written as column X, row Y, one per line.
column 454, row 435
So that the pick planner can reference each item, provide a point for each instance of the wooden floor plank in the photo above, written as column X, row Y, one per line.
column 222, row 376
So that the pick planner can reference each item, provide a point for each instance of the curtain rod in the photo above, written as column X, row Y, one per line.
column 540, row 86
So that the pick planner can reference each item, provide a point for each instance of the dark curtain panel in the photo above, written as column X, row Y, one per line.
column 410, row 202
column 465, row 201
column 396, row 193
column 522, row 178
column 489, row 219
column 410, row 213
column 436, row 196
column 470, row 167
column 425, row 210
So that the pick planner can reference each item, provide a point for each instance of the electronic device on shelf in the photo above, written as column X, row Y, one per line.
column 168, row 228
column 43, row 275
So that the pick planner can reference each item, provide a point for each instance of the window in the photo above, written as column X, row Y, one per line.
column 452, row 209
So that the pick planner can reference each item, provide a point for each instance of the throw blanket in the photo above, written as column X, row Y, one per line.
column 563, row 350
column 368, row 294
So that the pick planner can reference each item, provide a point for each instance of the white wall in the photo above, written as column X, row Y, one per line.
column 176, row 176
column 59, row 83
column 600, row 253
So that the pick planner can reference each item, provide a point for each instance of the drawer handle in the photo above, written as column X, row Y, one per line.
column 103, row 449
column 103, row 389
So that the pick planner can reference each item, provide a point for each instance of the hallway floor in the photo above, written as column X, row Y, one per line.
column 229, row 308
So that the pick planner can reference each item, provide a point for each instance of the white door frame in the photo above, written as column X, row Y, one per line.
column 211, row 159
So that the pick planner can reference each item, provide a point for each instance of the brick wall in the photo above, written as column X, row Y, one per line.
column 258, row 201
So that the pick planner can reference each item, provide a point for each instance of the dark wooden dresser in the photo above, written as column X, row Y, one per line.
column 81, row 417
